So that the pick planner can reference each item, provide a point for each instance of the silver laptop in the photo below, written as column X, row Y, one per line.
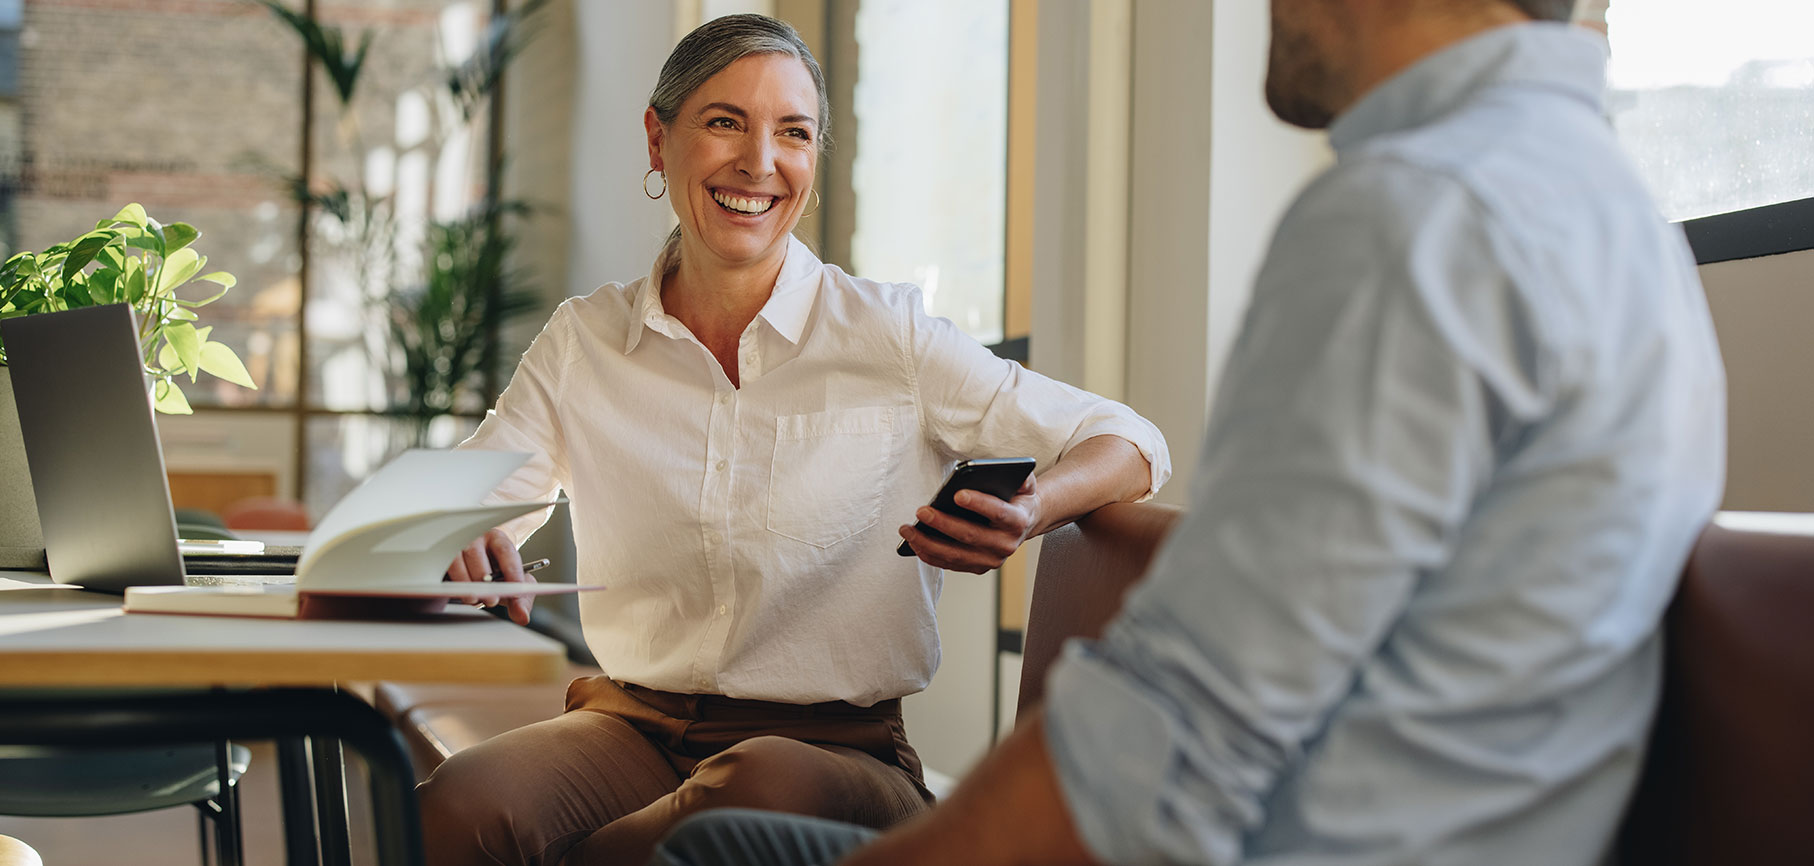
column 96, row 465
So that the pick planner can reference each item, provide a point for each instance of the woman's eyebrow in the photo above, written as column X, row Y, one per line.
column 728, row 108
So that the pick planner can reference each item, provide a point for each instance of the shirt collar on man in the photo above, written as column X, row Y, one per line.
column 1563, row 57
column 789, row 304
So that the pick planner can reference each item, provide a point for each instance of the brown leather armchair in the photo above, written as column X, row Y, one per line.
column 1730, row 774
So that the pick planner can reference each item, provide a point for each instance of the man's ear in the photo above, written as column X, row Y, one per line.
column 656, row 132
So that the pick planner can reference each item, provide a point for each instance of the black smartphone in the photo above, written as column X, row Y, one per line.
column 999, row 477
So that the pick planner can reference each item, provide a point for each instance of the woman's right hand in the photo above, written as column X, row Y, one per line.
column 476, row 563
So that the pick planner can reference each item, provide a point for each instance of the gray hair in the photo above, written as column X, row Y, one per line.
column 718, row 43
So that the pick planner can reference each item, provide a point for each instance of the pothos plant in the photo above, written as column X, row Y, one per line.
column 133, row 259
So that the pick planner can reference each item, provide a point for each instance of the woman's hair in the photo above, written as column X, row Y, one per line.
column 718, row 43
column 1547, row 10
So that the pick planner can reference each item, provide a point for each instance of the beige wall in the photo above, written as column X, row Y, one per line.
column 1211, row 172
column 1762, row 308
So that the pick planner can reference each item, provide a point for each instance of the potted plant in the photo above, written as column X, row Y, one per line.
column 129, row 258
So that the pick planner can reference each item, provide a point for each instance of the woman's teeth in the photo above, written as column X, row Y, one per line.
column 741, row 205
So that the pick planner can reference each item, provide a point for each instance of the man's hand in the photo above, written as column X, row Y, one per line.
column 976, row 547
column 476, row 563
column 1009, row 811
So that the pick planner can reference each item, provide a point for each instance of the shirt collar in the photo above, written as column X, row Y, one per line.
column 1562, row 57
column 789, row 303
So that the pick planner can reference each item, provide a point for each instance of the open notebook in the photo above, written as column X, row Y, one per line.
column 391, row 538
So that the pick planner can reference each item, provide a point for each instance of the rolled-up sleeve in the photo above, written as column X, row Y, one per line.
column 1348, row 441
column 526, row 418
column 979, row 405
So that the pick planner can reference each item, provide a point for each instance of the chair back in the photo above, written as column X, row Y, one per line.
column 1083, row 571
column 1730, row 773
column 1729, row 776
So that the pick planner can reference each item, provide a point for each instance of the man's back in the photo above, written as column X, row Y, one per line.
column 1473, row 425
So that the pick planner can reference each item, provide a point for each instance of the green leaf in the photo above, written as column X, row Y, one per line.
column 112, row 258
column 179, row 235
column 139, row 239
column 203, row 302
column 132, row 213
column 85, row 249
column 218, row 359
column 76, row 293
column 167, row 359
column 203, row 333
column 103, row 286
column 220, row 278
column 135, row 282
column 170, row 399
column 179, row 267
column 188, row 346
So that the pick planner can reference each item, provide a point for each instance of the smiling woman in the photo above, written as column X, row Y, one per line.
column 739, row 158
column 744, row 435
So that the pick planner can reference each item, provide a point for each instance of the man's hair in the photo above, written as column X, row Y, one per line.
column 1547, row 10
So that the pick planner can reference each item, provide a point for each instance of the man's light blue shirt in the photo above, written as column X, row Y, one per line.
column 1471, row 428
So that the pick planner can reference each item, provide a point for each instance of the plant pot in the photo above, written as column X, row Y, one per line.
column 21, row 539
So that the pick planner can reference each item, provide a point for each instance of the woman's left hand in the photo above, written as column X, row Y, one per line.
column 976, row 547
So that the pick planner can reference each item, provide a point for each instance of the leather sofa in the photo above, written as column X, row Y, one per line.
column 1730, row 773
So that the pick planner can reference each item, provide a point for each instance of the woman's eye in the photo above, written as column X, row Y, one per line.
column 721, row 123
column 801, row 134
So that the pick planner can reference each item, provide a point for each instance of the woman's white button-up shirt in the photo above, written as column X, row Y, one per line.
column 747, row 534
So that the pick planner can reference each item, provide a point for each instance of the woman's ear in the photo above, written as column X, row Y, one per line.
column 652, row 125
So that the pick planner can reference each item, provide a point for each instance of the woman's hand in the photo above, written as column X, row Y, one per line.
column 976, row 547
column 475, row 563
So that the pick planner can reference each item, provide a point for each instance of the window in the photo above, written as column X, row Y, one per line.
column 1715, row 101
column 198, row 111
column 929, row 173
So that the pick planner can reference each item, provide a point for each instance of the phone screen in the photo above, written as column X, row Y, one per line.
column 999, row 477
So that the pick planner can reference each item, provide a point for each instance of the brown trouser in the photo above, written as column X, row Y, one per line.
column 603, row 782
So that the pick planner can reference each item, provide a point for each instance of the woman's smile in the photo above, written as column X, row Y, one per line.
column 743, row 204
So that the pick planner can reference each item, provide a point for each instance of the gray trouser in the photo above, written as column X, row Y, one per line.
column 746, row 837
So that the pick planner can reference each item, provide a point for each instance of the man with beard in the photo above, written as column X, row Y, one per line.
column 1471, row 428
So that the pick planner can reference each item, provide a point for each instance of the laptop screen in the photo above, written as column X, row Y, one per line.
column 91, row 443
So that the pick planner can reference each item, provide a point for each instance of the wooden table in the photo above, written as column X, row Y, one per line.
column 224, row 678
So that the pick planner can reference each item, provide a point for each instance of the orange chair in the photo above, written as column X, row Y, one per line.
column 264, row 512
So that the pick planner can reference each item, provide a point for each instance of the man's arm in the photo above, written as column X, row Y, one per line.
column 1009, row 811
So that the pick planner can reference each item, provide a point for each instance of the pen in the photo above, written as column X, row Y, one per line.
column 533, row 565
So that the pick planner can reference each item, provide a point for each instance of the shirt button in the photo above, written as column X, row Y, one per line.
column 723, row 609
column 719, row 466
column 723, row 399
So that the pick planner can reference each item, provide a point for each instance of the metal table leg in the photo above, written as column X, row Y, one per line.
column 330, row 800
column 297, row 795
column 280, row 714
column 226, row 824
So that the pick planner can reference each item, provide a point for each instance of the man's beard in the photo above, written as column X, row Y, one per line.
column 1299, row 83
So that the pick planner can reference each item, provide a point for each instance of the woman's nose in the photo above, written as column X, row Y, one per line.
column 757, row 161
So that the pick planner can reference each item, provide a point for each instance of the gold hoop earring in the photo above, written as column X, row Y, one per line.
column 664, row 184
column 816, row 202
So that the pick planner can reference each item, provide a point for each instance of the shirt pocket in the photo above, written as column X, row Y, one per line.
column 826, row 482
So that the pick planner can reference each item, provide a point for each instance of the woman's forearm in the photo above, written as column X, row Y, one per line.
column 1100, row 470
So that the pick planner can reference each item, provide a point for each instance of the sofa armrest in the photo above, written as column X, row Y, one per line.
column 1083, row 572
